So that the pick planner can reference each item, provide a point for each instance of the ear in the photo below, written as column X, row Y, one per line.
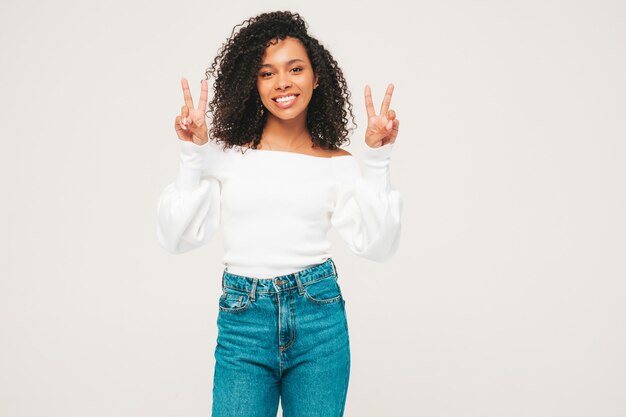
column 315, row 80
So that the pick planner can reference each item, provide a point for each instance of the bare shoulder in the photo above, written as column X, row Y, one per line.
column 340, row 152
column 328, row 153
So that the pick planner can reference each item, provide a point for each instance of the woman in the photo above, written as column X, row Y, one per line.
column 274, row 189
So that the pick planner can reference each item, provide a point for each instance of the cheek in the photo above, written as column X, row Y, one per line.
column 261, row 90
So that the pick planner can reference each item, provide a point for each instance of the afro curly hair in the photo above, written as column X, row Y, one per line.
column 239, row 116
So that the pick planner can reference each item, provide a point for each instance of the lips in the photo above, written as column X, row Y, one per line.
column 285, row 95
column 286, row 104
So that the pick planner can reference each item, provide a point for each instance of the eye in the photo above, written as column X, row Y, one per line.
column 298, row 68
column 263, row 74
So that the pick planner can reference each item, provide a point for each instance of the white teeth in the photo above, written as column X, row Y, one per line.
column 284, row 99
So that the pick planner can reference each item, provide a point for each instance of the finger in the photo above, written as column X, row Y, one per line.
column 179, row 123
column 204, row 93
column 384, row 124
column 369, row 104
column 187, row 93
column 391, row 115
column 387, row 100
column 184, row 112
column 394, row 132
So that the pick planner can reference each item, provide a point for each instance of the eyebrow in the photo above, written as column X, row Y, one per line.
column 291, row 61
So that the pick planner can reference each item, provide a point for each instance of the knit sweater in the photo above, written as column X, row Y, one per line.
column 275, row 208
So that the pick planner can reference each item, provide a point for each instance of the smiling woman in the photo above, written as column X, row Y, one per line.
column 282, row 324
column 289, row 84
column 286, row 92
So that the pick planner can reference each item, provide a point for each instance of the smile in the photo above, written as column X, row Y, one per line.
column 285, row 102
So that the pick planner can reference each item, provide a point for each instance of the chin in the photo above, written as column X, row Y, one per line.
column 285, row 117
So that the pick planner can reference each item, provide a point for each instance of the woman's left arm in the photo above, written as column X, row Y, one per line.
column 368, row 210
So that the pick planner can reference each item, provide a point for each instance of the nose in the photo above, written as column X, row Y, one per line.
column 283, row 82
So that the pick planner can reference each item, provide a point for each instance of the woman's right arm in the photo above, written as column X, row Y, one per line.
column 189, row 208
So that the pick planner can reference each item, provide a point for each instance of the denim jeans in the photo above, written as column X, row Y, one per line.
column 284, row 337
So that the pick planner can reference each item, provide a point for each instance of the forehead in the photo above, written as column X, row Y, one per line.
column 285, row 50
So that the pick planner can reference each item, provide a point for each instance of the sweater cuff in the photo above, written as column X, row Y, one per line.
column 194, row 156
column 376, row 166
column 380, row 153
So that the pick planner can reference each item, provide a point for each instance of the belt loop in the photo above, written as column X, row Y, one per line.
column 299, row 283
column 253, row 290
column 334, row 267
column 223, row 274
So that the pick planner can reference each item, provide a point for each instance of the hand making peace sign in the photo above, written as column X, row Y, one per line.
column 191, row 124
column 381, row 129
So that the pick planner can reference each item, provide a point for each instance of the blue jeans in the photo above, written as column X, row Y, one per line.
column 284, row 337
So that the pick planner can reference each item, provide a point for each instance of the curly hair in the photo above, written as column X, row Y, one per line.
column 239, row 116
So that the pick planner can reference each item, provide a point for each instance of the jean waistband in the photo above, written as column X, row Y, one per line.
column 280, row 283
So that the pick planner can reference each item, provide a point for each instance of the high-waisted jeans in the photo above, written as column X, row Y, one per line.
column 284, row 337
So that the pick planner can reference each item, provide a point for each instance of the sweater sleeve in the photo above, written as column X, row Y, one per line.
column 188, row 210
column 368, row 209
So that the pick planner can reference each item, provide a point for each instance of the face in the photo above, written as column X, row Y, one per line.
column 286, row 71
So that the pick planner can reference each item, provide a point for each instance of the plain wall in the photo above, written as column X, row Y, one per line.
column 507, row 296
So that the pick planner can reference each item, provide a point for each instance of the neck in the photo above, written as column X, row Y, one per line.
column 285, row 134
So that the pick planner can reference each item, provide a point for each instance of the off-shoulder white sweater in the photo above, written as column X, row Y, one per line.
column 275, row 208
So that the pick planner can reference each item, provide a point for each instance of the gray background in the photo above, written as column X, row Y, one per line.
column 506, row 298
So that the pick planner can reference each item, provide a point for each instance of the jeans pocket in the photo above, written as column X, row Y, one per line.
column 233, row 300
column 323, row 291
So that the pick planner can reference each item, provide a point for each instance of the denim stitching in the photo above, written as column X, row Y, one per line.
column 293, row 327
column 233, row 309
column 326, row 301
column 285, row 288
